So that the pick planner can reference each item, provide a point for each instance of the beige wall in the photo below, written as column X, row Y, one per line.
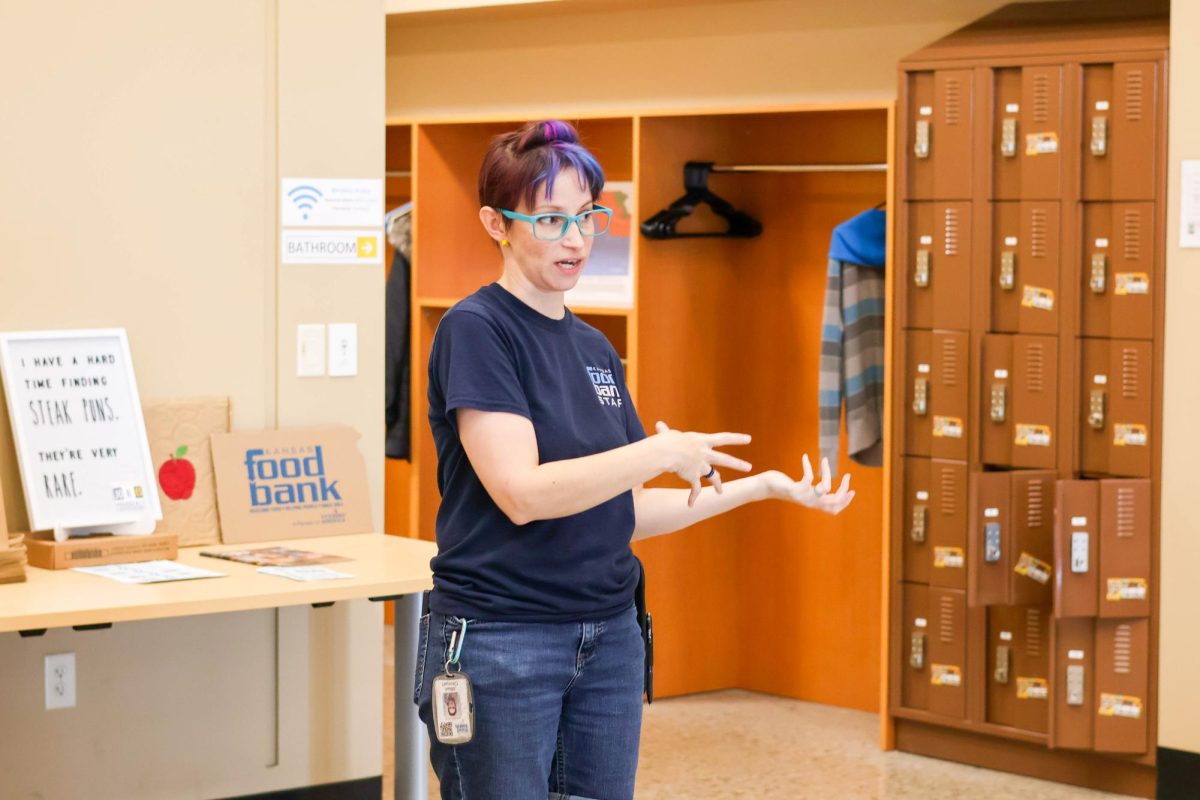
column 141, row 155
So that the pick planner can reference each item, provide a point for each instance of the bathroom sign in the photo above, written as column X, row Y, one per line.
column 331, row 202
column 332, row 247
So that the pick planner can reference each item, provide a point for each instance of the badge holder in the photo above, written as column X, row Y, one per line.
column 453, row 700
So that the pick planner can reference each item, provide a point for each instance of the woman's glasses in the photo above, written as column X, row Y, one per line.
column 552, row 227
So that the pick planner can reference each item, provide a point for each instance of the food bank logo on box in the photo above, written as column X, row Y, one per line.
column 285, row 481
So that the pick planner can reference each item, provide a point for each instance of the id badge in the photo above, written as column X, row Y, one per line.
column 453, row 708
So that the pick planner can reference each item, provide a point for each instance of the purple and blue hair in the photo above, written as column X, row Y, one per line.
column 520, row 162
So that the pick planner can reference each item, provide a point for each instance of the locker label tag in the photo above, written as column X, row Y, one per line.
column 1037, row 297
column 1130, row 434
column 1120, row 705
column 1041, row 144
column 1027, row 435
column 945, row 675
column 1033, row 568
column 1131, row 283
column 947, row 427
column 952, row 557
column 1126, row 589
column 1032, row 688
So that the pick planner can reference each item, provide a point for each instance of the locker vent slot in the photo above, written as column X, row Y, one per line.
column 1133, row 234
column 949, row 362
column 952, row 231
column 1041, row 97
column 946, row 619
column 1130, row 372
column 1133, row 95
column 952, row 104
column 1037, row 233
column 1035, row 500
column 1033, row 633
column 1123, row 650
column 949, row 492
column 1126, row 507
column 1035, row 368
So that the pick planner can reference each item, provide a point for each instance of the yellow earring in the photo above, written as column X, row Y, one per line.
column 504, row 242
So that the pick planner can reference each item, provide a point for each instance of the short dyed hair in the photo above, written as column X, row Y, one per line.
column 520, row 162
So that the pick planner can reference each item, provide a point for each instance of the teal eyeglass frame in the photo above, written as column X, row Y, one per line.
column 568, row 219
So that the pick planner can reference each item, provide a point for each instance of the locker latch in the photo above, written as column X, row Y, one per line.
column 921, row 146
column 1096, row 409
column 1075, row 684
column 1002, row 659
column 1099, row 276
column 1008, row 270
column 921, row 273
column 916, row 653
column 1099, row 136
column 921, row 396
column 999, row 401
column 1008, row 137
column 920, row 514
column 991, row 542
column 1079, row 552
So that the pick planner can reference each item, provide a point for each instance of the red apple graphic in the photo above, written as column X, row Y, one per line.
column 177, row 476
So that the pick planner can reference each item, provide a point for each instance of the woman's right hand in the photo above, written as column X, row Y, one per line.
column 694, row 457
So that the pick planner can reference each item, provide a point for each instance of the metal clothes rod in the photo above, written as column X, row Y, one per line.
column 398, row 173
column 800, row 168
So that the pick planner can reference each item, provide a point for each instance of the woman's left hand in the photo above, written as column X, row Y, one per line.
column 806, row 493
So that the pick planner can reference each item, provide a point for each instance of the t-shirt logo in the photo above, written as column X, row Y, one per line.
column 606, row 387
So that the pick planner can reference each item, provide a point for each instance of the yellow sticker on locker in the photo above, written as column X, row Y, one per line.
column 1034, row 568
column 1120, row 705
column 1041, row 144
column 1037, row 297
column 1130, row 435
column 1027, row 435
column 1032, row 688
column 1127, row 589
column 945, row 675
column 1131, row 283
column 954, row 557
column 947, row 427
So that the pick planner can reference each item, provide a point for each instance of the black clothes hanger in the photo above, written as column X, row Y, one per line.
column 880, row 206
column 695, row 183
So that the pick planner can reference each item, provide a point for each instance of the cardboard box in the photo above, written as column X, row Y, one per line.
column 180, row 434
column 290, row 484
column 99, row 548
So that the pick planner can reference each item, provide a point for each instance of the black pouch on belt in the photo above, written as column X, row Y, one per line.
column 647, row 626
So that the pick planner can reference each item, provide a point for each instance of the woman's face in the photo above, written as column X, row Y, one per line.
column 553, row 266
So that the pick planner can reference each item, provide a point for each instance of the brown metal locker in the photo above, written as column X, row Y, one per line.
column 1117, row 270
column 1125, row 548
column 989, row 576
column 948, row 525
column 916, row 630
column 1031, row 670
column 1119, row 137
column 938, row 277
column 1006, row 133
column 950, row 403
column 947, row 652
column 996, row 415
column 940, row 110
column 1006, row 266
column 1122, row 685
column 1025, row 267
column 1074, row 684
column 1034, row 401
column 1115, row 407
column 1077, row 532
column 1028, row 132
column 1032, row 551
column 1003, row 640
column 919, row 503
column 918, row 392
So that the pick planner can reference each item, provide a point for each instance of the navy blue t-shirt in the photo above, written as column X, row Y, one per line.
column 493, row 352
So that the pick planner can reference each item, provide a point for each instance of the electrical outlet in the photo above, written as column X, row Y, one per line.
column 60, row 681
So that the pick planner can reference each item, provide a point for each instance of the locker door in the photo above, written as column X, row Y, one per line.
column 1032, row 550
column 1031, row 670
column 1120, row 115
column 914, row 648
column 919, row 263
column 1074, row 684
column 951, row 399
column 1037, row 286
column 918, row 392
column 997, row 394
column 1125, row 548
column 990, row 540
column 950, row 269
column 917, row 520
column 920, row 135
column 1041, row 137
column 1122, row 683
column 948, row 652
column 1076, row 548
column 1118, row 261
column 948, row 525
column 1116, row 407
column 940, row 110
column 1035, row 401
column 1004, row 638
column 1006, row 267
column 1006, row 133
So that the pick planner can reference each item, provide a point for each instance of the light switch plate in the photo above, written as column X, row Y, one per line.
column 310, row 351
column 343, row 349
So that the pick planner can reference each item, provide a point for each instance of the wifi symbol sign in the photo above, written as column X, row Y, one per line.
column 305, row 197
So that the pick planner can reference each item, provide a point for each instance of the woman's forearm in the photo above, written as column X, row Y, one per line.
column 662, row 511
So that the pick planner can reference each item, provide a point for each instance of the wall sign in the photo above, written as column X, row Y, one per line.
column 78, row 427
column 331, row 202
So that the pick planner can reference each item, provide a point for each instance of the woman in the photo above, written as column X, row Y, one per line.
column 541, row 461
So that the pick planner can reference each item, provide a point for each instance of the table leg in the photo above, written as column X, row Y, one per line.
column 412, row 740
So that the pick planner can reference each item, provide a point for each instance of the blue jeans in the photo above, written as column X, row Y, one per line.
column 558, row 707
